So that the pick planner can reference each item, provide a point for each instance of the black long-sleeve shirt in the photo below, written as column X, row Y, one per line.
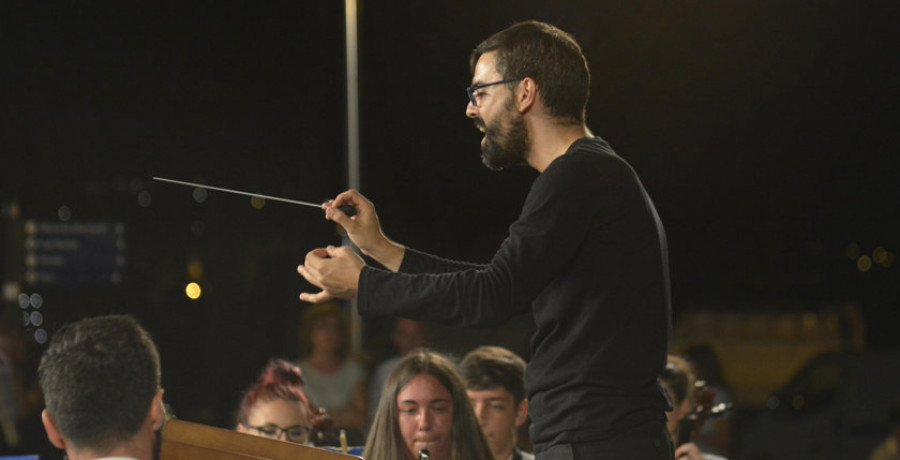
column 587, row 257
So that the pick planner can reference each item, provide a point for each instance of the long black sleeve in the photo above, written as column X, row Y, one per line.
column 587, row 256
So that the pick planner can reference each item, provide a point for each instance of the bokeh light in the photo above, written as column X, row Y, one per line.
column 40, row 336
column 257, row 202
column 64, row 213
column 864, row 264
column 37, row 318
column 200, row 194
column 193, row 291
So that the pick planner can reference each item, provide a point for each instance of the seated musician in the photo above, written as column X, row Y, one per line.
column 495, row 382
column 276, row 406
column 678, row 380
column 101, row 383
column 424, row 410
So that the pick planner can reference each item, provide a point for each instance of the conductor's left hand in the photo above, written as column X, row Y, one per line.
column 334, row 270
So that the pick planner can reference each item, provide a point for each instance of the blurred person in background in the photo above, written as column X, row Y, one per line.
column 678, row 380
column 716, row 435
column 333, row 380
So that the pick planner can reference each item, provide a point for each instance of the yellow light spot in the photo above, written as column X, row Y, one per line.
column 257, row 202
column 879, row 255
column 864, row 263
column 798, row 402
column 853, row 251
column 193, row 291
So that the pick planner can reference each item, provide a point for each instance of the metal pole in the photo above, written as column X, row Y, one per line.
column 350, row 26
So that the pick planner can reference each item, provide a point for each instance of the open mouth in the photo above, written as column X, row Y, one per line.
column 479, row 124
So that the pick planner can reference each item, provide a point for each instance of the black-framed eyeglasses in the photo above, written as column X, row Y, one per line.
column 473, row 97
column 296, row 433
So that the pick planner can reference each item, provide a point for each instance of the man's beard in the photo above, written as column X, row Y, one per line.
column 505, row 147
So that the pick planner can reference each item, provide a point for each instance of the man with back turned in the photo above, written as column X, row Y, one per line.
column 101, row 383
column 587, row 258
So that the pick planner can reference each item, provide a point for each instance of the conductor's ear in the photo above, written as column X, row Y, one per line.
column 526, row 94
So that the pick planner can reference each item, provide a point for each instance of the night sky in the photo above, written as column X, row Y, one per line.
column 766, row 134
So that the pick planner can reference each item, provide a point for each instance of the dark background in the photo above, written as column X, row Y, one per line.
column 766, row 133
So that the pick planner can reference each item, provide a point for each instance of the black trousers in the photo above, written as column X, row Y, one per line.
column 647, row 442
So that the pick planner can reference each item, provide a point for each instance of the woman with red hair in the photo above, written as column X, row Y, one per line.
column 276, row 406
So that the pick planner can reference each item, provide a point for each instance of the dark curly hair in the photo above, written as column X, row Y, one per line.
column 549, row 56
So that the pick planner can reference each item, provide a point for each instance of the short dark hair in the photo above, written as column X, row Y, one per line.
column 99, row 377
column 488, row 367
column 549, row 56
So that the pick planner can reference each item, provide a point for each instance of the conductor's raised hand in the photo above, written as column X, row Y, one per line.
column 364, row 229
column 334, row 270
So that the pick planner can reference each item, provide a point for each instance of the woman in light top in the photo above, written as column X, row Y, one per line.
column 334, row 381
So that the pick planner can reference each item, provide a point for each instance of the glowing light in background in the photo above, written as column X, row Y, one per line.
column 864, row 264
column 10, row 291
column 257, row 202
column 193, row 291
column 853, row 251
column 200, row 194
column 31, row 317
column 879, row 254
column 64, row 213
column 36, row 318
column 40, row 336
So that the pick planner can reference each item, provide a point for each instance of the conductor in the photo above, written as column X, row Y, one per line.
column 587, row 258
